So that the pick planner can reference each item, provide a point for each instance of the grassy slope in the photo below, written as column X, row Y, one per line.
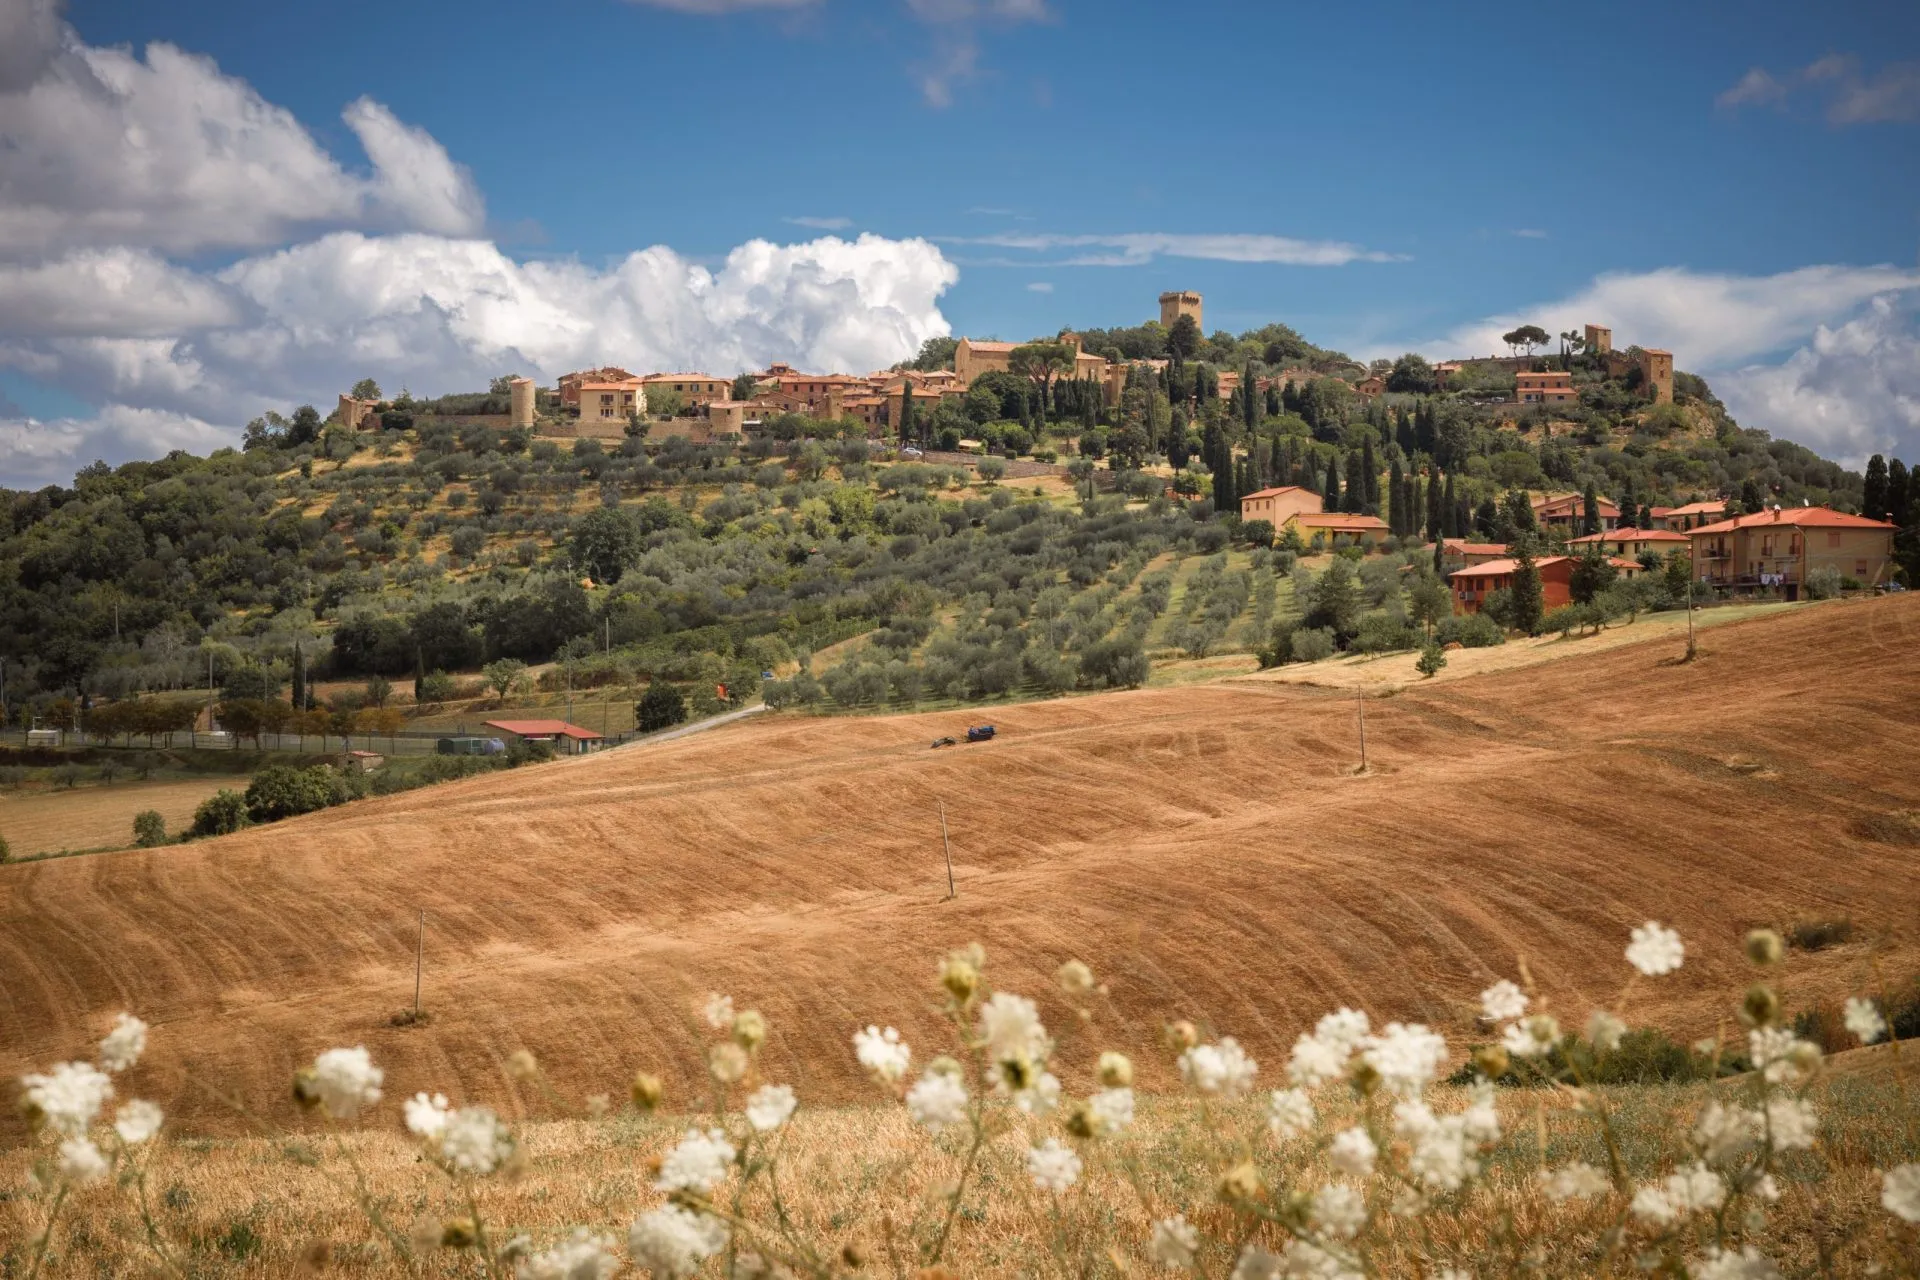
column 1204, row 847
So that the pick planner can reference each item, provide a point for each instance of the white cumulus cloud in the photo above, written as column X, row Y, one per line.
column 106, row 147
column 42, row 453
column 115, row 292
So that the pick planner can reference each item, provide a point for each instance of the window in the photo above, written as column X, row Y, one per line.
column 1833, row 538
column 1859, row 568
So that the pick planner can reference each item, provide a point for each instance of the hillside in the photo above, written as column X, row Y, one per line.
column 1203, row 848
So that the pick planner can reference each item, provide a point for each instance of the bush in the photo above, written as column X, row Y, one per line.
column 1118, row 663
column 1818, row 935
column 1824, row 583
column 1431, row 660
column 661, row 707
column 284, row 791
column 991, row 468
column 6, row 850
column 1257, row 532
column 221, row 813
column 149, row 829
column 1470, row 631
column 1311, row 644
column 1384, row 633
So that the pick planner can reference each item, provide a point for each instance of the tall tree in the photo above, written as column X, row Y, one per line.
column 1183, row 339
column 1436, row 512
column 1355, row 498
column 1369, row 478
column 1873, row 502
column 1529, row 604
column 1589, row 510
column 1250, row 397
column 1330, row 495
column 1900, row 494
column 906, row 411
column 1397, row 521
column 299, row 695
column 1040, row 363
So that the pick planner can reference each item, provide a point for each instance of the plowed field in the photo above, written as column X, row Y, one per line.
column 1205, row 849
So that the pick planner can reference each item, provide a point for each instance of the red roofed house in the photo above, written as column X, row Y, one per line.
column 1779, row 548
column 1472, row 586
column 1335, row 530
column 1456, row 553
column 567, row 739
column 1691, row 516
column 1567, row 511
column 1543, row 388
column 570, row 382
column 1277, row 506
column 1630, row 542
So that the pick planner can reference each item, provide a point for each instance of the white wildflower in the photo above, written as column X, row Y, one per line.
column 80, row 1162
column 345, row 1080
column 698, row 1162
column 1413, row 1119
column 1781, row 1056
column 1793, row 1122
column 1053, row 1167
column 1406, row 1055
column 1605, row 1031
column 1289, row 1114
column 1174, row 1243
column 1695, row 1189
column 882, row 1053
column 1339, row 1210
column 474, row 1141
column 1041, row 1097
column 770, row 1106
column 1410, row 1202
column 1900, row 1192
column 1651, row 1206
column 136, row 1121
column 1503, row 1001
column 1352, row 1152
column 1111, row 1109
column 1347, row 1027
column 1720, row 1264
column 1864, row 1020
column 728, row 1062
column 583, row 1256
column 1310, row 1261
column 1722, row 1134
column 426, row 1115
column 1223, row 1068
column 1531, row 1037
column 718, row 1012
column 69, row 1097
column 1010, row 1027
column 1453, row 1273
column 1574, row 1181
column 672, row 1242
column 124, row 1044
column 1255, row 1263
column 1655, row 950
column 1316, row 1061
column 937, row 1100
column 1481, row 1120
column 1442, row 1159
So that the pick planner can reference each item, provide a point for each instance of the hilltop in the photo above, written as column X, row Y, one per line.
column 1206, row 849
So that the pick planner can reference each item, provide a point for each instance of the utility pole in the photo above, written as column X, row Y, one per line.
column 946, row 844
column 419, row 953
column 1360, row 704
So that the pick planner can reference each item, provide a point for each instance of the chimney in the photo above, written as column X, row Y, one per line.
column 1776, row 511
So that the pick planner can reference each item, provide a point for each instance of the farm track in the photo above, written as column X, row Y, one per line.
column 1204, row 848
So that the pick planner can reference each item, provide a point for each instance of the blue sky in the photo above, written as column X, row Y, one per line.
column 1740, row 183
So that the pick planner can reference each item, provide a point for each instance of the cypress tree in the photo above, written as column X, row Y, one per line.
column 1423, row 427
column 1589, row 510
column 1414, row 507
column 1396, row 495
column 1646, row 517
column 300, row 679
column 1273, row 401
column 1451, row 525
column 1369, row 477
column 1874, row 505
column 1355, row 498
column 1330, row 495
column 1528, row 603
column 1629, row 505
column 1900, row 493
column 1463, row 516
column 1250, row 397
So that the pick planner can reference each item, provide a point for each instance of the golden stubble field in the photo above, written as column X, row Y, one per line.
column 1205, row 849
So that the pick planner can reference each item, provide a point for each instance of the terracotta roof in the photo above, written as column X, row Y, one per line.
column 609, row 386
column 1659, row 512
column 1575, row 500
column 1494, row 568
column 1474, row 548
column 1799, row 517
column 1693, row 509
column 684, row 377
column 1272, row 493
column 542, row 728
column 1332, row 520
column 1631, row 535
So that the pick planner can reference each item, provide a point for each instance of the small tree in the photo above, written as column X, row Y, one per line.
column 149, row 829
column 221, row 813
column 661, row 707
column 502, row 675
column 1592, row 573
column 379, row 690
column 1432, row 658
column 1529, row 601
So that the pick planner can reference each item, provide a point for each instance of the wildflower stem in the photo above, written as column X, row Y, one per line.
column 46, row 1237
column 960, row 1188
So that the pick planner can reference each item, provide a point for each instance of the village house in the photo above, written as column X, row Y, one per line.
column 1336, row 530
column 1472, row 586
column 1456, row 553
column 566, row 739
column 570, row 383
column 1277, row 506
column 608, row 400
column 696, row 390
column 1777, row 549
column 1690, row 516
column 358, row 415
column 1629, row 543
column 973, row 357
column 1568, row 510
column 1371, row 387
column 1543, row 388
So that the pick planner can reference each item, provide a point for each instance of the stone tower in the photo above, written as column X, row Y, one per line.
column 1599, row 339
column 520, row 400
column 1175, row 305
column 1656, row 366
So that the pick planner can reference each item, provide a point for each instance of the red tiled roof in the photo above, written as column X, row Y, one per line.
column 1332, row 520
column 1631, row 535
column 1272, row 493
column 1800, row 517
column 542, row 728
column 1494, row 568
column 1474, row 548
column 1692, row 509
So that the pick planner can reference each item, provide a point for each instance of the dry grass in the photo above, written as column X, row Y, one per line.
column 1204, row 847
column 865, row 1177
column 96, row 816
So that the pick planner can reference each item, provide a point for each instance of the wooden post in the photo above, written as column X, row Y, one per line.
column 1360, row 702
column 419, row 953
column 947, row 844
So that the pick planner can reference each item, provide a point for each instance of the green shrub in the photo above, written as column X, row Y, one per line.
column 1311, row 644
column 1818, row 935
column 149, row 829
column 661, row 707
column 283, row 791
column 1384, row 633
column 1824, row 583
column 221, row 813
column 1644, row 1056
column 1431, row 660
column 1470, row 631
